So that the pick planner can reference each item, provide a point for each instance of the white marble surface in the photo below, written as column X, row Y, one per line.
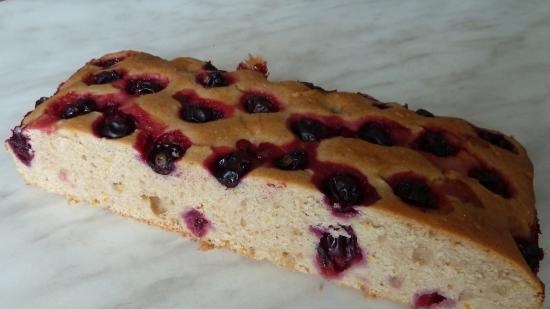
column 487, row 61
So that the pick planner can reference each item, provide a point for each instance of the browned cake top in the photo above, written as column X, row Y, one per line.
column 358, row 151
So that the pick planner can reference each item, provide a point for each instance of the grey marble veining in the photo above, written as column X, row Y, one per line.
column 487, row 61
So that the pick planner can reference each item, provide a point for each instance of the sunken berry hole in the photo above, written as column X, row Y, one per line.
column 436, row 143
column 20, row 145
column 413, row 190
column 496, row 138
column 337, row 250
column 144, row 86
column 104, row 77
column 492, row 180
column 259, row 103
column 213, row 79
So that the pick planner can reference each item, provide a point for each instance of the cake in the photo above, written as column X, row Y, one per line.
column 429, row 211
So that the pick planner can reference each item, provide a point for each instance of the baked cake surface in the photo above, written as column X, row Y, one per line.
column 429, row 211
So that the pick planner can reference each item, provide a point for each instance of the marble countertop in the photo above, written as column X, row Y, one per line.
column 487, row 61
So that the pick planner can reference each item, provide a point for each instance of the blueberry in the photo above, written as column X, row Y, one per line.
column 345, row 190
column 376, row 133
column 20, row 145
column 106, row 77
column 162, row 156
column 310, row 130
column 40, row 101
column 208, row 66
column 212, row 79
column 79, row 107
column 437, row 144
column 116, row 125
column 199, row 114
column 231, row 168
column 336, row 253
column 143, row 87
column 259, row 104
column 294, row 160
column 415, row 193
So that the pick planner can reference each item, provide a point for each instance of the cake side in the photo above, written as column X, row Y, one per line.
column 266, row 218
column 351, row 160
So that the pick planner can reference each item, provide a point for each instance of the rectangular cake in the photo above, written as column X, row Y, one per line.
column 429, row 211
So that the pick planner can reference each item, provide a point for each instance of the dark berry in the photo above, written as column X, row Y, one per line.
column 376, row 133
column 254, row 103
column 531, row 252
column 143, row 87
column 79, row 107
column 208, row 66
column 309, row 130
column 423, row 112
column 105, row 77
column 212, row 79
column 337, row 253
column 199, row 114
column 231, row 168
column 196, row 222
column 437, row 144
column 415, row 192
column 40, row 101
column 491, row 180
column 294, row 160
column 162, row 156
column 427, row 300
column 343, row 190
column 116, row 125
column 497, row 139
column 19, row 144
column 105, row 63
